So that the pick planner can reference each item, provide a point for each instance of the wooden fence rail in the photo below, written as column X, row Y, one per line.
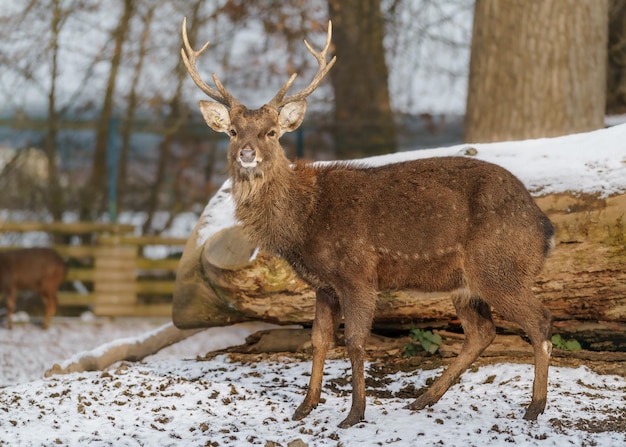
column 112, row 275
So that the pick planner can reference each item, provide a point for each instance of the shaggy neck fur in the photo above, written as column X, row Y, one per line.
column 274, row 204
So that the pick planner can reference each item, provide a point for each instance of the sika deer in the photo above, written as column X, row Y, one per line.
column 441, row 224
column 39, row 269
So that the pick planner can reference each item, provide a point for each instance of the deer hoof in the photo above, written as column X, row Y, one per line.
column 351, row 420
column 419, row 404
column 302, row 411
column 534, row 410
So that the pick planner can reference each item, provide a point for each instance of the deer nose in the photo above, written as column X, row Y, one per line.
column 247, row 155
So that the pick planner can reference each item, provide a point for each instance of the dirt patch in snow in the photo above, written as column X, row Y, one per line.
column 386, row 360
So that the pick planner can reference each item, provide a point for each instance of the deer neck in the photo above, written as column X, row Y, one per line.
column 274, row 207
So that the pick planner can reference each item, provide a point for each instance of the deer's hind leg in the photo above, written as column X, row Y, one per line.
column 325, row 325
column 536, row 320
column 475, row 317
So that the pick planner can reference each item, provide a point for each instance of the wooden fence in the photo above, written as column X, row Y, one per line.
column 115, row 279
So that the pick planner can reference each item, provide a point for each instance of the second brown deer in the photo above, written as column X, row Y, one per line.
column 39, row 269
column 440, row 224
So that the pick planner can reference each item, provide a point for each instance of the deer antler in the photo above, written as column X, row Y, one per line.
column 278, row 101
column 189, row 58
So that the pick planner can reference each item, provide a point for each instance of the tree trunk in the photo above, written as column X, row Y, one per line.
column 178, row 114
column 364, row 122
column 616, row 75
column 56, row 204
column 537, row 69
column 126, row 130
column 93, row 196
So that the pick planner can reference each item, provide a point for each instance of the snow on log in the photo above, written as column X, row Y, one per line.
column 578, row 180
column 131, row 349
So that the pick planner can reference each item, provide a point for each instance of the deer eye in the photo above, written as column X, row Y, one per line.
column 271, row 133
column 232, row 132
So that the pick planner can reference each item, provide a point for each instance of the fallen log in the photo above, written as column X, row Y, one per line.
column 223, row 279
column 584, row 281
column 131, row 349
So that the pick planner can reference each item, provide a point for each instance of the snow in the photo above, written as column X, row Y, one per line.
column 173, row 398
column 585, row 163
column 218, row 215
column 27, row 351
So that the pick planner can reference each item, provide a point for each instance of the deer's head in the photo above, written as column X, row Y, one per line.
column 254, row 134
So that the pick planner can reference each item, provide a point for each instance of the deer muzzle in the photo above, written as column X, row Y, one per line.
column 247, row 158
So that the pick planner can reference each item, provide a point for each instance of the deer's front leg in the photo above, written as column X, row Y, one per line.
column 11, row 297
column 358, row 314
column 50, row 300
column 326, row 310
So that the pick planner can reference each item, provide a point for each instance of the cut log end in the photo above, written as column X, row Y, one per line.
column 229, row 249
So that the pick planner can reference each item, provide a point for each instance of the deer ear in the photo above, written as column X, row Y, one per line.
column 216, row 115
column 291, row 116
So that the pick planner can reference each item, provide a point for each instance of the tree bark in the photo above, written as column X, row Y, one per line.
column 537, row 69
column 616, row 75
column 364, row 122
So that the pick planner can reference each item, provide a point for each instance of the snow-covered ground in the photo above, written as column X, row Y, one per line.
column 26, row 352
column 174, row 399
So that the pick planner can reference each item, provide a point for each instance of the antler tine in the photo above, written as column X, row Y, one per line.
column 190, row 56
column 278, row 101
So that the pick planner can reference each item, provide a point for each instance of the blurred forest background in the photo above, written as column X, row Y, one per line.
column 98, row 116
